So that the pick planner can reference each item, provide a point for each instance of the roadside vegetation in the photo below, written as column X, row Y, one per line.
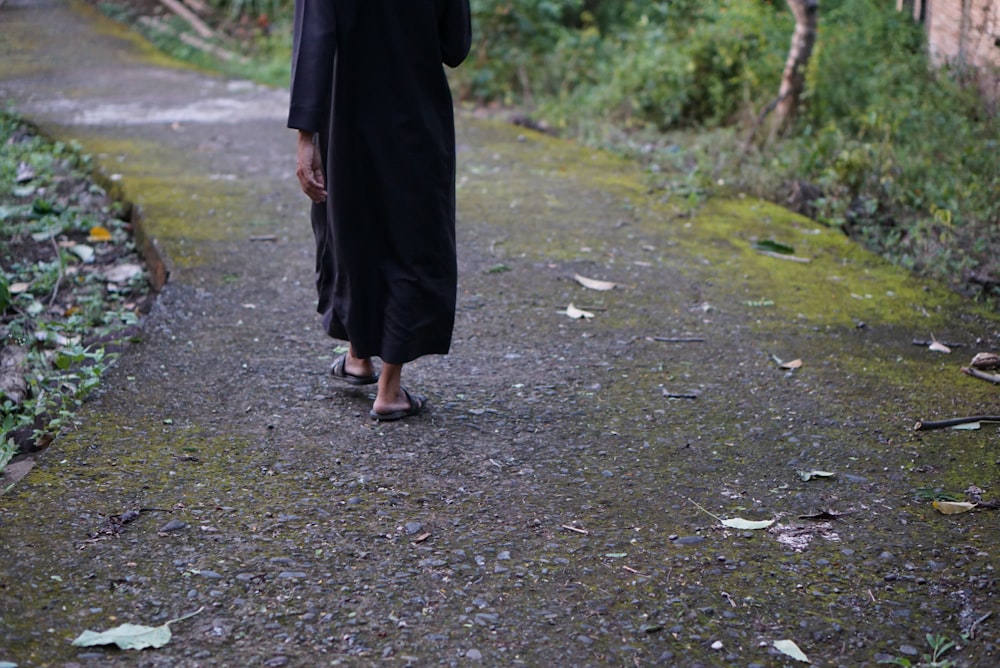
column 71, row 285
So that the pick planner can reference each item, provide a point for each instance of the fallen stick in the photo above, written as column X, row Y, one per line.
column 573, row 528
column 981, row 375
column 200, row 26
column 666, row 339
column 926, row 425
column 196, row 5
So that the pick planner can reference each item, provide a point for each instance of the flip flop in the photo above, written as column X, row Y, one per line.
column 339, row 371
column 417, row 404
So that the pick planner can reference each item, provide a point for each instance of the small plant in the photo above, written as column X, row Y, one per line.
column 57, row 251
column 939, row 645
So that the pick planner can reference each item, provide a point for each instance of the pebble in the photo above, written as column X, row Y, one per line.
column 210, row 574
column 689, row 540
column 474, row 655
column 354, row 501
column 717, row 645
column 413, row 527
column 277, row 662
column 908, row 650
column 504, row 556
column 173, row 525
column 292, row 575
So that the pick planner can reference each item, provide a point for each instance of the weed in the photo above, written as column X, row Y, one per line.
column 939, row 644
column 54, row 295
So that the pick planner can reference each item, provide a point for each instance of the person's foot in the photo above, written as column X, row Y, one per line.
column 354, row 370
column 405, row 405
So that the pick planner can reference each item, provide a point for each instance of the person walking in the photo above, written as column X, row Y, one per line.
column 376, row 155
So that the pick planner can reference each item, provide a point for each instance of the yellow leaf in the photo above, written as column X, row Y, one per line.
column 98, row 233
column 953, row 507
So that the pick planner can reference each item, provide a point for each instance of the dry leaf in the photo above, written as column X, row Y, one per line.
column 748, row 525
column 985, row 361
column 953, row 507
column 938, row 347
column 593, row 283
column 576, row 313
column 806, row 476
column 131, row 636
column 18, row 288
column 790, row 366
column 122, row 273
column 789, row 648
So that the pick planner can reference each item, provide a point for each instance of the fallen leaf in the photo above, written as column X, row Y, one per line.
column 122, row 273
column 806, row 476
column 593, row 283
column 968, row 426
column 82, row 251
column 131, row 636
column 749, row 525
column 98, row 233
column 24, row 173
column 953, row 507
column 576, row 313
column 985, row 361
column 791, row 366
column 938, row 347
column 19, row 288
column 789, row 648
column 773, row 247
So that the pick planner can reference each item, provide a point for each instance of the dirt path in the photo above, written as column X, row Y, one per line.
column 543, row 511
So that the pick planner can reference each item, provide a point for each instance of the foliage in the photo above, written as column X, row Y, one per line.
column 905, row 157
column 901, row 155
column 939, row 645
column 53, row 296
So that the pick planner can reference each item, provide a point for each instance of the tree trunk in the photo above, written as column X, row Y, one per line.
column 794, row 78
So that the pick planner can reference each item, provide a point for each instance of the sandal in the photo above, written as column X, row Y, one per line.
column 417, row 404
column 339, row 371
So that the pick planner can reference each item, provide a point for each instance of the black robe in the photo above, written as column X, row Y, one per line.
column 367, row 78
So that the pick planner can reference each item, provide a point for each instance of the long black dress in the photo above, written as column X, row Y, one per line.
column 367, row 77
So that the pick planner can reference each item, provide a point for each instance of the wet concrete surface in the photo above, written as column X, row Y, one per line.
column 553, row 505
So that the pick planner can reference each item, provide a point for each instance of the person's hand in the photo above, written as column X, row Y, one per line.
column 309, row 169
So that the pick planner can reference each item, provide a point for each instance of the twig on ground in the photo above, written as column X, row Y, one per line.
column 972, row 628
column 927, row 425
column 199, row 26
column 682, row 339
column 569, row 527
column 673, row 395
column 981, row 375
